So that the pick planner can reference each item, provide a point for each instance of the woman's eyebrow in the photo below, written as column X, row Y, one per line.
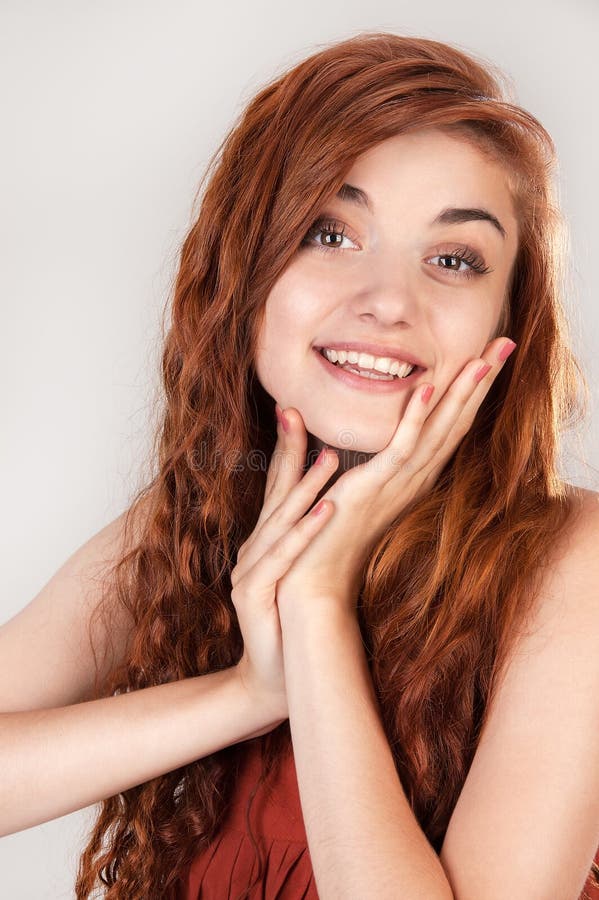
column 353, row 194
column 453, row 215
column 456, row 215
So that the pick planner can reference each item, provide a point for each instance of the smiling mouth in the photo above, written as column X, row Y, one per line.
column 405, row 370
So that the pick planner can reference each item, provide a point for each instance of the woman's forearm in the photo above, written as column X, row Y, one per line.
column 363, row 837
column 56, row 761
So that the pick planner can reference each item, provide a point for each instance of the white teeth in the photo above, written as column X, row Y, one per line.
column 371, row 375
column 383, row 364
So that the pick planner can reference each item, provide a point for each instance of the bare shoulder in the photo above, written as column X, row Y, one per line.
column 567, row 599
column 46, row 657
column 572, row 576
column 586, row 505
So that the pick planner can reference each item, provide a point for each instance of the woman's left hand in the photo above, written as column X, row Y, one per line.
column 368, row 497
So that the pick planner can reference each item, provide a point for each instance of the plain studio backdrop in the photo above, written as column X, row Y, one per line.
column 110, row 112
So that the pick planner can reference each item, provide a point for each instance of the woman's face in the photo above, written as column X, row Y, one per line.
column 393, row 279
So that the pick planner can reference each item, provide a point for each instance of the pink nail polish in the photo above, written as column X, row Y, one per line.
column 506, row 350
column 284, row 422
column 321, row 457
column 480, row 374
column 427, row 393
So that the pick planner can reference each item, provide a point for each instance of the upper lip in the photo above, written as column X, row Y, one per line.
column 374, row 350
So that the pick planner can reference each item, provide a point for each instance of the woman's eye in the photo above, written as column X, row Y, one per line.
column 452, row 264
column 333, row 236
column 462, row 263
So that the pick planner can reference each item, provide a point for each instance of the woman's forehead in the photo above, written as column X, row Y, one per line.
column 425, row 173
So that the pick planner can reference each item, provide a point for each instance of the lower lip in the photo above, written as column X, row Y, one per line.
column 370, row 385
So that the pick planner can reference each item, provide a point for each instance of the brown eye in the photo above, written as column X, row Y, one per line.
column 329, row 228
column 453, row 262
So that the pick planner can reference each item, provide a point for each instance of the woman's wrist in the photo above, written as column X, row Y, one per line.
column 261, row 707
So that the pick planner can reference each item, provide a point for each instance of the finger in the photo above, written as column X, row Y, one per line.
column 493, row 357
column 260, row 580
column 400, row 448
column 287, row 461
column 287, row 454
column 285, row 516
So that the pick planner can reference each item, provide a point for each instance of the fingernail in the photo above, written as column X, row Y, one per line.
column 480, row 374
column 321, row 457
column 427, row 393
column 281, row 417
column 319, row 507
column 506, row 350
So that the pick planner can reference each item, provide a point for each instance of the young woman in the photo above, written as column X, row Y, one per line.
column 373, row 673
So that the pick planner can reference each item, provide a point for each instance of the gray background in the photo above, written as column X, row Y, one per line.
column 110, row 113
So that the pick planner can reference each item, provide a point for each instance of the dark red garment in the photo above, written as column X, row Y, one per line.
column 228, row 865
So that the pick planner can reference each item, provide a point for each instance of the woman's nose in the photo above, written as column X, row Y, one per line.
column 388, row 295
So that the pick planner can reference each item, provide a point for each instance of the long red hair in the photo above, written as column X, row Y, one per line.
column 448, row 586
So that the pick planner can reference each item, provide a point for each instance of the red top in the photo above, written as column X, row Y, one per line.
column 228, row 865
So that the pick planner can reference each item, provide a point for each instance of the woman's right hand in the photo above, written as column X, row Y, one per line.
column 282, row 532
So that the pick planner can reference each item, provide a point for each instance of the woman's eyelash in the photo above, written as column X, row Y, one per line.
column 326, row 226
column 476, row 265
column 464, row 254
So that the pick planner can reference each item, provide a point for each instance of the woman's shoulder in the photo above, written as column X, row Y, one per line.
column 562, row 624
column 583, row 494
column 585, row 510
column 570, row 587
